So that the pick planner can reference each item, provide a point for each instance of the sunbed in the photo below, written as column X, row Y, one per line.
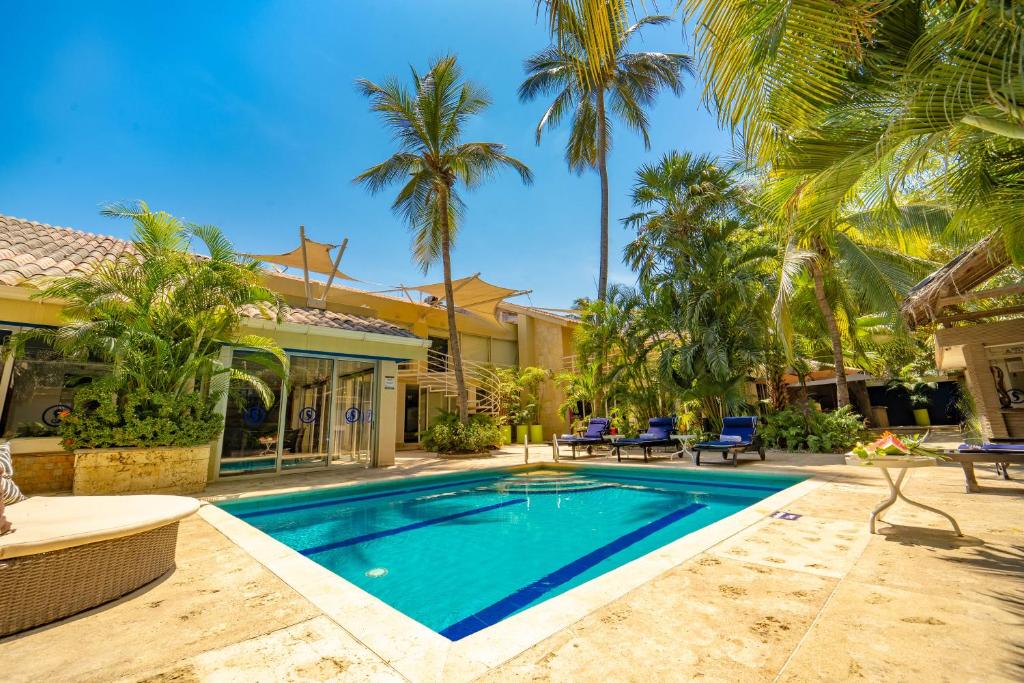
column 67, row 554
column 739, row 434
column 1001, row 454
column 659, row 433
column 597, row 428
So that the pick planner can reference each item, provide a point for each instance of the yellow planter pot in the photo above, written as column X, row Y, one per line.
column 521, row 432
column 921, row 417
column 506, row 434
column 536, row 433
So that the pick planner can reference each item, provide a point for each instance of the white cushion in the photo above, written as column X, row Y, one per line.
column 45, row 523
column 730, row 438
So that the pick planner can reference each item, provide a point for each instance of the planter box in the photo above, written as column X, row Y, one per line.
column 101, row 471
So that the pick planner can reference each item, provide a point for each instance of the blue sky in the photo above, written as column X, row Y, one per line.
column 244, row 114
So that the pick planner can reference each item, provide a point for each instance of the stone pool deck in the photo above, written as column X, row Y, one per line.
column 811, row 599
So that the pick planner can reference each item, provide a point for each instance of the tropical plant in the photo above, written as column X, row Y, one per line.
column 449, row 434
column 431, row 163
column 591, row 80
column 868, row 100
column 160, row 316
column 832, row 432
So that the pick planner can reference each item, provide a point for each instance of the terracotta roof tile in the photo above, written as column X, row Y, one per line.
column 31, row 252
column 332, row 319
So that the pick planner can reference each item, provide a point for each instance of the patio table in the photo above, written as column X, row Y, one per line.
column 902, row 464
column 684, row 444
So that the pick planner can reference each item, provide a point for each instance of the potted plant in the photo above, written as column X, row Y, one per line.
column 507, row 395
column 529, row 382
column 919, row 394
column 159, row 316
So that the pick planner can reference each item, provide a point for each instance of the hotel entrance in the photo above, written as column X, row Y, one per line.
column 323, row 413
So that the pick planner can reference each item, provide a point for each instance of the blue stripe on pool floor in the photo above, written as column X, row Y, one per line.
column 524, row 596
column 355, row 499
column 408, row 527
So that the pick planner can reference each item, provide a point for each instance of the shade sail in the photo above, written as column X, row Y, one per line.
column 472, row 294
column 318, row 258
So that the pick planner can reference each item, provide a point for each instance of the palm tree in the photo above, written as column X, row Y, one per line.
column 160, row 316
column 592, row 86
column 862, row 98
column 431, row 162
column 857, row 263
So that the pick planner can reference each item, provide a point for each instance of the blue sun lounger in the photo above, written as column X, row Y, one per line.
column 659, row 433
column 739, row 434
column 597, row 428
column 1001, row 454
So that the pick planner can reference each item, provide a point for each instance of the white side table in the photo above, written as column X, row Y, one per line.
column 684, row 445
column 901, row 463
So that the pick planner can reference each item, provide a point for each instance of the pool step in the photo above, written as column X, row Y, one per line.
column 538, row 485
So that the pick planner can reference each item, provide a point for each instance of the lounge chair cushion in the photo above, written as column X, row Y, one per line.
column 722, row 444
column 46, row 523
column 9, row 491
column 1001, row 447
column 730, row 438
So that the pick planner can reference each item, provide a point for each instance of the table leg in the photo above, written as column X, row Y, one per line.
column 972, row 482
column 888, row 502
column 956, row 527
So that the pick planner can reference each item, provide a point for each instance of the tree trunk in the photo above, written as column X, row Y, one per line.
column 602, row 169
column 842, row 392
column 454, row 348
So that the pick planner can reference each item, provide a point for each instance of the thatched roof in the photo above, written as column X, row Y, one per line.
column 961, row 275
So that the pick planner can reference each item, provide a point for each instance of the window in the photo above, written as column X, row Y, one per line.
column 42, row 383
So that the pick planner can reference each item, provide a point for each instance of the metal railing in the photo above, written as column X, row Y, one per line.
column 437, row 374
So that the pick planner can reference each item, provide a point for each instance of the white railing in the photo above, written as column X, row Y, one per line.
column 437, row 374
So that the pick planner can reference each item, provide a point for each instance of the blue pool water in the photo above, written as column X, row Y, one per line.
column 459, row 553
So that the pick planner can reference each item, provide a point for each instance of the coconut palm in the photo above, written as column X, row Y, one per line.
column 431, row 163
column 863, row 98
column 592, row 87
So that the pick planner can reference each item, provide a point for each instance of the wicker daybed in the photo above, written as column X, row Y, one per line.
column 68, row 554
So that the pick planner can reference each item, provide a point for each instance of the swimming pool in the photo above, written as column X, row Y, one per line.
column 459, row 553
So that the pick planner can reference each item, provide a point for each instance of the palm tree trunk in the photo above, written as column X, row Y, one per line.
column 602, row 169
column 454, row 348
column 842, row 391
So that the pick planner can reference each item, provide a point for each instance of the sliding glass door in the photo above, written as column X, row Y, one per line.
column 307, row 413
column 353, row 431
column 322, row 414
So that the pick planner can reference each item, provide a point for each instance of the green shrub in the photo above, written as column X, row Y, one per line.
column 448, row 435
column 102, row 417
column 833, row 432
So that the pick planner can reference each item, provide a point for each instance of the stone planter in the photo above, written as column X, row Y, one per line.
column 101, row 471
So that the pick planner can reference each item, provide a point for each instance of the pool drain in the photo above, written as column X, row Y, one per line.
column 377, row 573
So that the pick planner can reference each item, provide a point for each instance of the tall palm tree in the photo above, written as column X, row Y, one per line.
column 431, row 163
column 593, row 85
column 858, row 263
column 860, row 97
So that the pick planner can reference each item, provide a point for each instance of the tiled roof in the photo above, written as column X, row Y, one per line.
column 332, row 319
column 32, row 251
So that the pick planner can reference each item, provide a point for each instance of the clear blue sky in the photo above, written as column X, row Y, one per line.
column 244, row 114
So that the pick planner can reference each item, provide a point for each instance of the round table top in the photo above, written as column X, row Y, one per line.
column 893, row 461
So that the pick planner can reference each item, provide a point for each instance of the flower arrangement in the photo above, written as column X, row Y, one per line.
column 889, row 445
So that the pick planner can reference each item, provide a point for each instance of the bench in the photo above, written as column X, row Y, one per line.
column 968, row 459
column 67, row 554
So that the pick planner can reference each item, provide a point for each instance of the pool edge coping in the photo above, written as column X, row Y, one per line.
column 419, row 653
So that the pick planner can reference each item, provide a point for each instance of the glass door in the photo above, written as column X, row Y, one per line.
column 251, row 430
column 353, row 406
column 307, row 413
